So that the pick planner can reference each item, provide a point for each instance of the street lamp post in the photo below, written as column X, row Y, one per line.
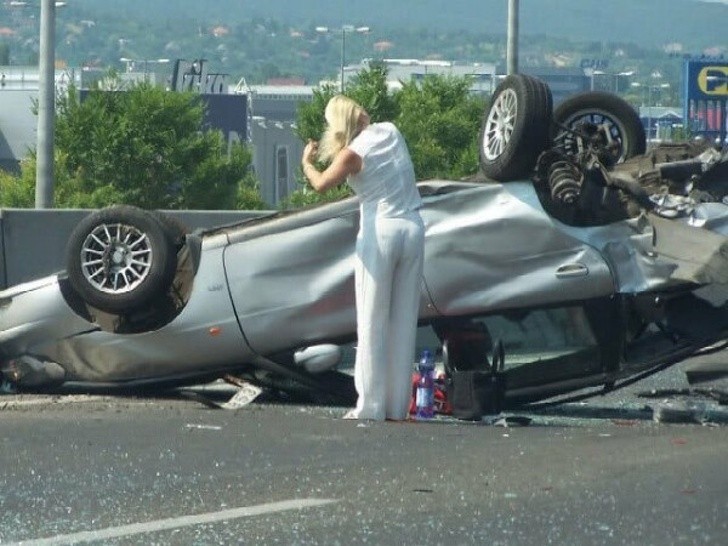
column 512, row 38
column 46, row 106
column 343, row 30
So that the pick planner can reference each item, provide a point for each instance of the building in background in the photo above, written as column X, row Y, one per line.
column 19, row 87
column 18, row 126
column 484, row 77
column 661, row 122
column 277, row 149
column 563, row 81
column 276, row 158
column 261, row 116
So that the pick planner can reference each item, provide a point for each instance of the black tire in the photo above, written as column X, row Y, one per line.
column 515, row 128
column 546, row 98
column 592, row 109
column 120, row 259
column 175, row 228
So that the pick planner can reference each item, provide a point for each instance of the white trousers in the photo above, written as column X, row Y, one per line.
column 388, row 273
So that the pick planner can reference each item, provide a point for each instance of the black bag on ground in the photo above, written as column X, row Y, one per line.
column 475, row 385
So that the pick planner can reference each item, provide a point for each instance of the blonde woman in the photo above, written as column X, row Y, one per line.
column 374, row 159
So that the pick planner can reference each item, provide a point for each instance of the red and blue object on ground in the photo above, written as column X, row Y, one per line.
column 440, row 395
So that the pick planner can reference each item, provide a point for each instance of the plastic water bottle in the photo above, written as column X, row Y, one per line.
column 425, row 397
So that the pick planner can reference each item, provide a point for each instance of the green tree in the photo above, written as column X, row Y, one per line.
column 368, row 88
column 142, row 147
column 440, row 119
column 310, row 120
column 310, row 124
column 18, row 191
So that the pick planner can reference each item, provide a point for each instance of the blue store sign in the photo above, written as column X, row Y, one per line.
column 706, row 97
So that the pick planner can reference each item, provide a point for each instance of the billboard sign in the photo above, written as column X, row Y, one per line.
column 706, row 80
column 713, row 80
column 706, row 97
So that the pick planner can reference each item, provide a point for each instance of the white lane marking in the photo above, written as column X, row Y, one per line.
column 174, row 523
column 203, row 427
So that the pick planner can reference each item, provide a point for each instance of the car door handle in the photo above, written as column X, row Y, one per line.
column 572, row 270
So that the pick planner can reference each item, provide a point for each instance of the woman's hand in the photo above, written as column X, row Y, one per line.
column 310, row 152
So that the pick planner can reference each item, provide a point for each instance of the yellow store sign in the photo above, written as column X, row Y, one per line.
column 713, row 80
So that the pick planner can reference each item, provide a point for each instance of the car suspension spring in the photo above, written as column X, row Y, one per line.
column 564, row 181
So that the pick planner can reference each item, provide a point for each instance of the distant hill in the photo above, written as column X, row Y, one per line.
column 698, row 24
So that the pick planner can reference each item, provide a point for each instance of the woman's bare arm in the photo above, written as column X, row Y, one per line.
column 344, row 165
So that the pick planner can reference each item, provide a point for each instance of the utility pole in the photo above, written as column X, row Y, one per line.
column 344, row 29
column 46, row 105
column 512, row 47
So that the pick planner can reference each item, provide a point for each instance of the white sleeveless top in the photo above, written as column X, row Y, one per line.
column 387, row 177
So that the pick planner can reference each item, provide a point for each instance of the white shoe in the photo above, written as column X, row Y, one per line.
column 350, row 415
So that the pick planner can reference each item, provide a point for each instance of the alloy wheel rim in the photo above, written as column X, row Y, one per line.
column 116, row 258
column 500, row 124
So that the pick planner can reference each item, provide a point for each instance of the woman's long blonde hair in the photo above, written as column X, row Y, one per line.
column 342, row 125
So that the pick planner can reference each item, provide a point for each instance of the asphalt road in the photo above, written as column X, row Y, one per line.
column 169, row 470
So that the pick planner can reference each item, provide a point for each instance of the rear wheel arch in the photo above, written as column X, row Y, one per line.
column 120, row 258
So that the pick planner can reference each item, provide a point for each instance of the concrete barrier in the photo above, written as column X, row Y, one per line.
column 33, row 241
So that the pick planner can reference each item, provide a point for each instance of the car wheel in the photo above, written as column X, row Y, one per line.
column 579, row 118
column 120, row 259
column 515, row 128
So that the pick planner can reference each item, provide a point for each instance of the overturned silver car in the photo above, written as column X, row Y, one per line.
column 591, row 259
